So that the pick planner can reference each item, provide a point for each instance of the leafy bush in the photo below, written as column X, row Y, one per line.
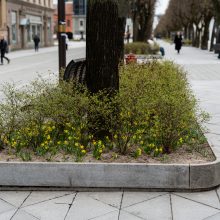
column 141, row 48
column 154, row 112
column 187, row 42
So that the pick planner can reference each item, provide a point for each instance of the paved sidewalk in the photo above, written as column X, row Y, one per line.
column 43, row 50
column 204, row 75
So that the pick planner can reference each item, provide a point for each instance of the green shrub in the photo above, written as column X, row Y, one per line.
column 154, row 112
column 187, row 42
column 141, row 48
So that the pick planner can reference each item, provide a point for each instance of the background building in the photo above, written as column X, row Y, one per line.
column 20, row 20
column 79, row 18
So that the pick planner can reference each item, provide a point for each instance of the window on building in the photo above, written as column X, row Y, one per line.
column 14, row 26
column 79, row 7
column 81, row 23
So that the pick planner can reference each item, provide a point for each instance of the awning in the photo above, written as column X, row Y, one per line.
column 24, row 21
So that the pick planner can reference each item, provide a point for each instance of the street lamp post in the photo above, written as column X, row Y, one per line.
column 61, row 34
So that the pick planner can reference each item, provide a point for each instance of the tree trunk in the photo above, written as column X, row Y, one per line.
column 205, row 37
column 143, row 19
column 213, row 36
column 102, row 49
column 121, row 31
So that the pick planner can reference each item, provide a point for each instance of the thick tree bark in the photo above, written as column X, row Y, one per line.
column 205, row 37
column 213, row 36
column 102, row 49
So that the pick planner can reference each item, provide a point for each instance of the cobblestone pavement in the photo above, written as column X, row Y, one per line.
column 204, row 75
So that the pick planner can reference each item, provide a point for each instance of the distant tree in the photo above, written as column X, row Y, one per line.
column 216, row 4
column 142, row 15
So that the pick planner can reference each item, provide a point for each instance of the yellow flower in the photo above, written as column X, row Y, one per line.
column 181, row 140
column 53, row 127
column 115, row 136
column 66, row 142
column 139, row 151
column 94, row 142
column 14, row 143
column 42, row 145
column 77, row 144
column 70, row 138
column 48, row 137
column 161, row 149
column 141, row 142
column 124, row 137
column 59, row 142
column 81, row 146
column 83, row 151
column 156, row 150
column 66, row 131
column 68, row 124
column 99, row 142
column 100, row 151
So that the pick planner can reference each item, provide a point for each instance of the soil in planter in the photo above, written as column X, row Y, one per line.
column 185, row 155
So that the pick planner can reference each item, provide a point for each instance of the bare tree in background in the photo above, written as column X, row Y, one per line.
column 142, row 15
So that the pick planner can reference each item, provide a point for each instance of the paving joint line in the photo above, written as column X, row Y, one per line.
column 71, row 204
column 217, row 195
column 145, row 200
column 47, row 200
column 196, row 202
column 171, row 206
column 119, row 212
column 207, row 218
column 101, row 215
column 103, row 202
column 21, row 206
column 134, row 215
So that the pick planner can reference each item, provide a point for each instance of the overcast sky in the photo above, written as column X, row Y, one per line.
column 161, row 6
column 160, row 9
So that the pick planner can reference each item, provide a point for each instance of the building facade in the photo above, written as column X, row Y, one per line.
column 21, row 20
column 79, row 17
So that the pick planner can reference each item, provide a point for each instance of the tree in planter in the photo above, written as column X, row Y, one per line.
column 104, row 49
column 105, row 30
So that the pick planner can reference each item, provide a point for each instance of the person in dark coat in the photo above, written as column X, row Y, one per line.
column 3, row 49
column 36, row 42
column 178, row 42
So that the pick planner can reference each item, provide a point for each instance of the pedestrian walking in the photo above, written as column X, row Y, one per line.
column 178, row 42
column 4, row 49
column 36, row 40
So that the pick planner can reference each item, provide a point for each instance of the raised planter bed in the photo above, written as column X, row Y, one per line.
column 111, row 175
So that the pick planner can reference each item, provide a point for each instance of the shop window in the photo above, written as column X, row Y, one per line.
column 14, row 26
